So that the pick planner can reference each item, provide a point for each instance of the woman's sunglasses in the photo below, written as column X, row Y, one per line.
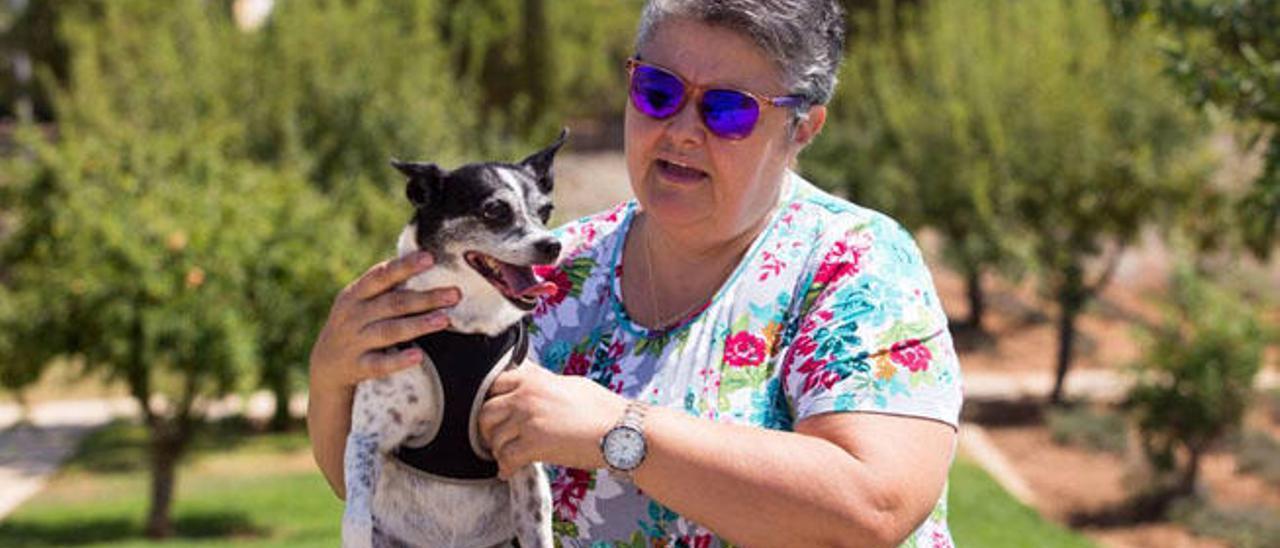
column 728, row 113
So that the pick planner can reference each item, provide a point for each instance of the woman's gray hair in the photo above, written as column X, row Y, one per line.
column 804, row 38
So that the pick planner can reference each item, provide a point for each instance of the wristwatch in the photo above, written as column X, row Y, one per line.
column 624, row 446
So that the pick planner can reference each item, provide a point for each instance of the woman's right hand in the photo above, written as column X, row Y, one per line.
column 371, row 314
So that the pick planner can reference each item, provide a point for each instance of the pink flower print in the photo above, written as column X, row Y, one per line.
column 804, row 346
column 772, row 266
column 940, row 540
column 615, row 351
column 568, row 490
column 841, row 261
column 744, row 349
column 700, row 540
column 577, row 364
column 557, row 276
column 816, row 373
column 911, row 354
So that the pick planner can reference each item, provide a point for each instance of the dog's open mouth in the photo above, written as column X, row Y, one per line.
column 517, row 283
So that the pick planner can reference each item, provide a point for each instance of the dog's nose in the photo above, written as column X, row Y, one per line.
column 548, row 249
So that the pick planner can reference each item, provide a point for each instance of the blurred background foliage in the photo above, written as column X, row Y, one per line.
column 1035, row 137
column 183, row 190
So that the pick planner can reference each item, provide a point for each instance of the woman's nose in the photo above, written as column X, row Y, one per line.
column 685, row 127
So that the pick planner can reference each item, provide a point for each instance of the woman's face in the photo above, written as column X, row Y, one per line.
column 732, row 185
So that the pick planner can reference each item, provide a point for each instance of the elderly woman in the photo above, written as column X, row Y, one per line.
column 734, row 356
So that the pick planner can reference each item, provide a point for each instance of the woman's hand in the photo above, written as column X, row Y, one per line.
column 535, row 415
column 370, row 315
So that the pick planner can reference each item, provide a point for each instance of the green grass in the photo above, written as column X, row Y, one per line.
column 983, row 514
column 240, row 488
column 235, row 488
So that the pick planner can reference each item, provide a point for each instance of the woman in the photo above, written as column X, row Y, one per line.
column 757, row 362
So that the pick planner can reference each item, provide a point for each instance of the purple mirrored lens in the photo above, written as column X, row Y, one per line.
column 728, row 113
column 656, row 92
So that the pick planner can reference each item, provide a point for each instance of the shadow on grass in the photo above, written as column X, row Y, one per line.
column 122, row 446
column 970, row 338
column 1138, row 509
column 207, row 526
column 1004, row 412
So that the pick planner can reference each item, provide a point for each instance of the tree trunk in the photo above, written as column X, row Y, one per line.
column 538, row 70
column 168, row 440
column 1071, row 299
column 279, row 384
column 977, row 300
column 1187, row 485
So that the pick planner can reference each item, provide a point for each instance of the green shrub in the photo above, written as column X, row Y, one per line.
column 1196, row 380
column 1084, row 427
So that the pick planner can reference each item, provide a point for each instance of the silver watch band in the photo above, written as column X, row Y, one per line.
column 634, row 414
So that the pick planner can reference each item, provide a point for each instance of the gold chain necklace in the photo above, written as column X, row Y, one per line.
column 662, row 322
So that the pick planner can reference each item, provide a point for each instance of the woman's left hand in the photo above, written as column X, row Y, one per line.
column 534, row 415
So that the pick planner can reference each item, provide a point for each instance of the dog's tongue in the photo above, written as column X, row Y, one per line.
column 522, row 282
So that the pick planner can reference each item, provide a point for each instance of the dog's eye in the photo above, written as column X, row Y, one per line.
column 544, row 213
column 496, row 212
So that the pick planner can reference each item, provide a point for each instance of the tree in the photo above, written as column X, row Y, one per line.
column 1106, row 149
column 918, row 130
column 141, row 224
column 535, row 64
column 1194, row 384
column 1034, row 136
column 1226, row 54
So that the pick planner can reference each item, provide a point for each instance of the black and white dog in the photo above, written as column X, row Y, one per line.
column 416, row 471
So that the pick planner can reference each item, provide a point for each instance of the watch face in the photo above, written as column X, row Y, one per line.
column 624, row 448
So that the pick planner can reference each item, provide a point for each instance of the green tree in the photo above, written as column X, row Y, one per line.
column 1194, row 384
column 332, row 91
column 1226, row 54
column 1033, row 136
column 1106, row 149
column 141, row 226
column 536, row 64
column 919, row 129
column 308, row 252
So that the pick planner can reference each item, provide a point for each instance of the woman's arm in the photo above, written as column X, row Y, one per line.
column 367, row 317
column 842, row 479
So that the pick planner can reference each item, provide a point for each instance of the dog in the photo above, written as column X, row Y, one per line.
column 416, row 471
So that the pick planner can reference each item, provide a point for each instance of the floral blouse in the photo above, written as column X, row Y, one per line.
column 832, row 309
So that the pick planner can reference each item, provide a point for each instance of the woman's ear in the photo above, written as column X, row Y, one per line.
column 810, row 126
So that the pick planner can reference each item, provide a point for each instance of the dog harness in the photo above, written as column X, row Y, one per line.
column 466, row 366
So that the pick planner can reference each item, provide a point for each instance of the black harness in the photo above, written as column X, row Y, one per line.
column 466, row 366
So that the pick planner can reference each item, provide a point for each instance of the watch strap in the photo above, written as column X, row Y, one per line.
column 632, row 418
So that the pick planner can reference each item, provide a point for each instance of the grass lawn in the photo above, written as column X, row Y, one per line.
column 241, row 488
column 981, row 513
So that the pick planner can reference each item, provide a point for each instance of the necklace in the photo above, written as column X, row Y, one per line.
column 665, row 322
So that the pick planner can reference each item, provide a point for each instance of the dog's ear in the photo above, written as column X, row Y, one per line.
column 540, row 161
column 424, row 180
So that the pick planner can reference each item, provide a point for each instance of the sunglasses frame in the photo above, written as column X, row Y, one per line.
column 696, row 92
